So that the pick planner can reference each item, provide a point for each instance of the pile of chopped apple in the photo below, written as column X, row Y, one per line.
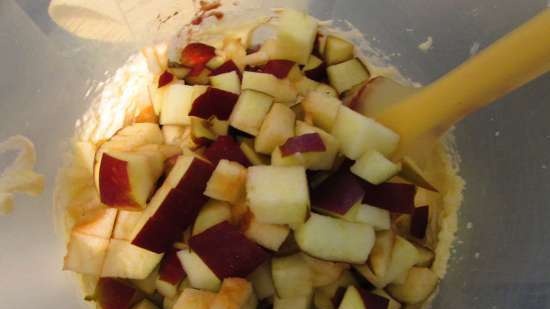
column 261, row 180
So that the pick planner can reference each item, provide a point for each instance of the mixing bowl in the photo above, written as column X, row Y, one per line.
column 500, row 260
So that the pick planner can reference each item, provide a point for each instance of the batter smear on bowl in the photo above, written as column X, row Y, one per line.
column 241, row 167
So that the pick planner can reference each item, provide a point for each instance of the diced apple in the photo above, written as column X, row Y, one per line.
column 322, row 301
column 199, row 274
column 235, row 293
column 173, row 135
column 125, row 224
column 149, row 284
column 324, row 272
column 419, row 285
column 299, row 302
column 145, row 304
column 338, row 193
column 358, row 134
column 296, row 33
column 357, row 298
column 315, row 69
column 85, row 254
column 262, row 281
column 194, row 299
column 309, row 142
column 179, row 72
column 165, row 78
column 295, row 74
column 395, row 197
column 338, row 50
column 227, row 252
column 278, row 194
column 197, row 55
column 278, row 126
column 227, row 182
column 378, row 94
column 124, row 260
column 111, row 293
column 223, row 67
column 322, row 108
column 345, row 75
column 270, row 236
column 425, row 257
column 291, row 276
column 373, row 167
column 250, row 111
column 200, row 131
column 335, row 240
column 296, row 159
column 345, row 280
column 419, row 221
column 171, row 270
column 378, row 218
column 380, row 256
column 305, row 85
column 414, row 174
column 319, row 160
column 166, row 289
column 176, row 105
column 214, row 102
column 392, row 304
column 281, row 89
column 229, row 81
column 101, row 225
column 327, row 90
column 247, row 147
column 212, row 213
column 224, row 147
column 219, row 127
column 278, row 68
column 126, row 180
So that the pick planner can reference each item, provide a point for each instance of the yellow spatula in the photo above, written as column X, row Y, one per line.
column 510, row 62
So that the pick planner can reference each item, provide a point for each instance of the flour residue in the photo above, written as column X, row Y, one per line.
column 426, row 45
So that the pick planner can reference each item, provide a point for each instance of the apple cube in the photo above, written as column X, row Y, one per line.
column 219, row 127
column 126, row 221
column 85, row 254
column 358, row 134
column 111, row 293
column 227, row 182
column 319, row 160
column 324, row 272
column 296, row 33
column 180, row 72
column 270, row 236
column 425, row 257
column 147, row 285
column 345, row 280
column 165, row 78
column 196, row 55
column 395, row 197
column 145, row 304
column 281, row 90
column 335, row 240
column 415, row 175
column 250, row 111
column 212, row 213
column 223, row 67
column 291, row 276
column 419, row 221
column 378, row 218
column 229, row 82
column 322, row 301
column 277, row 128
column 235, row 293
column 214, row 102
column 419, row 284
column 380, row 256
column 171, row 270
column 227, row 252
column 327, row 90
column 296, row 159
column 278, row 68
column 166, row 289
column 338, row 50
column 278, row 194
column 315, row 69
column 176, row 104
column 338, row 193
column 224, row 147
column 392, row 303
column 173, row 135
column 322, row 108
column 247, row 147
column 139, row 134
column 357, row 298
column 199, row 274
column 305, row 85
column 299, row 302
column 124, row 260
column 190, row 172
column 200, row 131
column 100, row 225
column 262, row 281
column 126, row 180
column 194, row 299
column 309, row 142
column 345, row 75
column 373, row 167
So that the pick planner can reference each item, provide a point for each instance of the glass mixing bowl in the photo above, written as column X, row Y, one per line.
column 501, row 255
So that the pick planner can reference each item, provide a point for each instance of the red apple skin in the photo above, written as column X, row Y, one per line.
column 111, row 293
column 226, row 67
column 419, row 221
column 373, row 301
column 395, row 197
column 226, row 148
column 310, row 142
column 195, row 56
column 278, row 68
column 157, row 236
column 165, row 79
column 338, row 193
column 318, row 73
column 338, row 296
column 214, row 102
column 196, row 176
column 227, row 252
column 171, row 269
column 114, row 183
